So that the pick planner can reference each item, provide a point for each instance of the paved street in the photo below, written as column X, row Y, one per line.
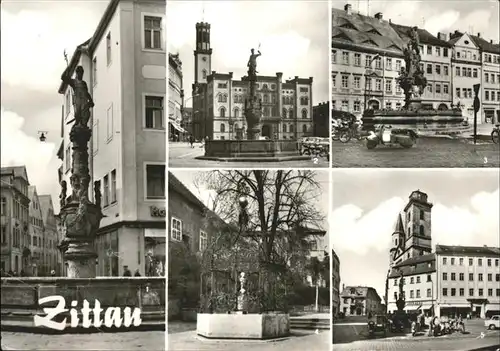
column 299, row 341
column 151, row 341
column 181, row 155
column 354, row 336
column 427, row 153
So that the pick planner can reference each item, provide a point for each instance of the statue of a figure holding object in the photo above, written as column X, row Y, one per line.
column 252, row 63
column 82, row 100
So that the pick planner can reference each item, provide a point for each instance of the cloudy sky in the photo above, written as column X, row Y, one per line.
column 293, row 36
column 477, row 16
column 188, row 178
column 366, row 204
column 34, row 37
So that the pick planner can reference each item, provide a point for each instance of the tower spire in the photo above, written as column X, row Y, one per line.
column 203, row 11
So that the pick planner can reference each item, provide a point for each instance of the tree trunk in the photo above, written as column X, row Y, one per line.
column 317, row 298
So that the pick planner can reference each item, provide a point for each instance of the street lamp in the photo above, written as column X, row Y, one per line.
column 366, row 80
column 42, row 135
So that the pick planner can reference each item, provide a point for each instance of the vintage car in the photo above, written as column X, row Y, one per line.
column 378, row 324
column 493, row 322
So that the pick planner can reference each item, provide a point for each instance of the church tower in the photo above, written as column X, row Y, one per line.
column 202, row 53
column 418, row 225
column 398, row 242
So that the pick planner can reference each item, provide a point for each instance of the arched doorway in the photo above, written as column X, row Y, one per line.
column 373, row 104
column 266, row 131
column 442, row 107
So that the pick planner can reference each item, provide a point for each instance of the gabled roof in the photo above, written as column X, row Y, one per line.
column 485, row 46
column 415, row 265
column 16, row 171
column 176, row 185
column 467, row 250
column 398, row 227
column 424, row 36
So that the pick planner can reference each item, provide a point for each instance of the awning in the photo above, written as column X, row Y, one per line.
column 154, row 233
column 176, row 126
column 412, row 307
column 426, row 306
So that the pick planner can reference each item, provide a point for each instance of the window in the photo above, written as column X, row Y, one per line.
column 345, row 105
column 176, row 229
column 204, row 74
column 411, row 280
column 422, row 231
column 429, row 50
column 345, row 58
column 464, row 71
column 105, row 195
column 398, row 65
column 304, row 113
column 471, row 262
column 445, row 292
column 357, row 82
column 357, row 59
column 155, row 182
column 461, row 276
column 486, row 95
column 438, row 88
column 469, row 72
column 113, row 186
column 411, row 294
column 490, row 277
column 378, row 63
column 154, row 112
column 368, row 60
column 471, row 292
column 378, row 84
column 94, row 71
column 444, row 260
column 109, row 123
column 388, row 85
column 429, row 292
column 429, row 88
column 486, row 77
column 474, row 73
column 445, row 52
column 345, row 81
column 480, row 277
column 203, row 240
column 497, row 260
column 446, row 89
column 395, row 282
column 389, row 63
column 452, row 261
column 480, row 292
column 357, row 106
column 453, row 291
column 284, row 112
column 490, row 292
column 334, row 84
column 457, row 71
column 368, row 84
column 152, row 32
column 222, row 112
column 480, row 262
column 334, row 56
column 95, row 137
column 438, row 69
column 236, row 113
column 492, row 78
column 471, row 276
column 461, row 261
column 461, row 291
column 498, row 292
column 429, row 68
column 108, row 48
column 445, row 276
column 3, row 206
column 445, row 70
column 453, row 276
column 418, row 279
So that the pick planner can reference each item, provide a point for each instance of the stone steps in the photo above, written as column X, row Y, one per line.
column 310, row 323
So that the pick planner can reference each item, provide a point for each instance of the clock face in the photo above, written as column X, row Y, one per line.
column 204, row 58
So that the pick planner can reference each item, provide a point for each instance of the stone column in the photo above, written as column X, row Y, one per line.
column 253, row 112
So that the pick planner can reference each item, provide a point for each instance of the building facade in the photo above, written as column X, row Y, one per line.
column 175, row 99
column 53, row 254
column 367, row 56
column 469, row 280
column 218, row 100
column 125, row 70
column 335, row 284
column 14, row 211
column 360, row 301
column 39, row 265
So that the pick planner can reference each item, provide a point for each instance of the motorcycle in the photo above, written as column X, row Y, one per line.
column 391, row 137
column 495, row 133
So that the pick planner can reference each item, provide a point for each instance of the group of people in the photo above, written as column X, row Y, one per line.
column 23, row 273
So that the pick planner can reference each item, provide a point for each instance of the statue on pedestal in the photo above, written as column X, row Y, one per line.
column 82, row 100
column 252, row 64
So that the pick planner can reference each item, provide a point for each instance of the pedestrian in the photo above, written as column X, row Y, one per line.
column 137, row 274
column 191, row 141
column 126, row 272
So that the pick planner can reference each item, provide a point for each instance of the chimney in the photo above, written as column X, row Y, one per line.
column 491, row 41
column 479, row 35
column 390, row 21
column 348, row 8
column 379, row 16
column 442, row 36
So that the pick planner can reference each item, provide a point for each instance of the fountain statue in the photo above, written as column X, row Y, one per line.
column 79, row 217
column 253, row 105
column 415, row 115
column 242, row 297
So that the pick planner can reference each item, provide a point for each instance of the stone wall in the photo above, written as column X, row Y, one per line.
column 20, row 298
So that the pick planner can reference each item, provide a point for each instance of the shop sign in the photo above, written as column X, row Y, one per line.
column 157, row 211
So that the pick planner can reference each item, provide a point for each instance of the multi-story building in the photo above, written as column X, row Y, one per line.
column 466, row 70
column 125, row 71
column 14, row 211
column 53, row 254
column 218, row 100
column 175, row 98
column 321, row 120
column 469, row 280
column 410, row 257
column 335, row 283
column 359, row 301
column 187, row 120
column 490, row 79
column 435, row 63
column 367, row 56
column 38, row 241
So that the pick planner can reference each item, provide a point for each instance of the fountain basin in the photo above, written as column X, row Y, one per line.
column 243, row 326
column 252, row 151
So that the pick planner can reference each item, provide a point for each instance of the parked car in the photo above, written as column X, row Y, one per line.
column 493, row 322
column 378, row 324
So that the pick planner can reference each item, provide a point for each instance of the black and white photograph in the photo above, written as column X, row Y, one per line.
column 415, row 84
column 248, row 257
column 255, row 93
column 83, row 155
column 418, row 259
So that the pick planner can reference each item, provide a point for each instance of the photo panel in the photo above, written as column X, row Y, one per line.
column 256, row 93
column 249, row 260
column 83, row 243
column 419, row 259
column 415, row 84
